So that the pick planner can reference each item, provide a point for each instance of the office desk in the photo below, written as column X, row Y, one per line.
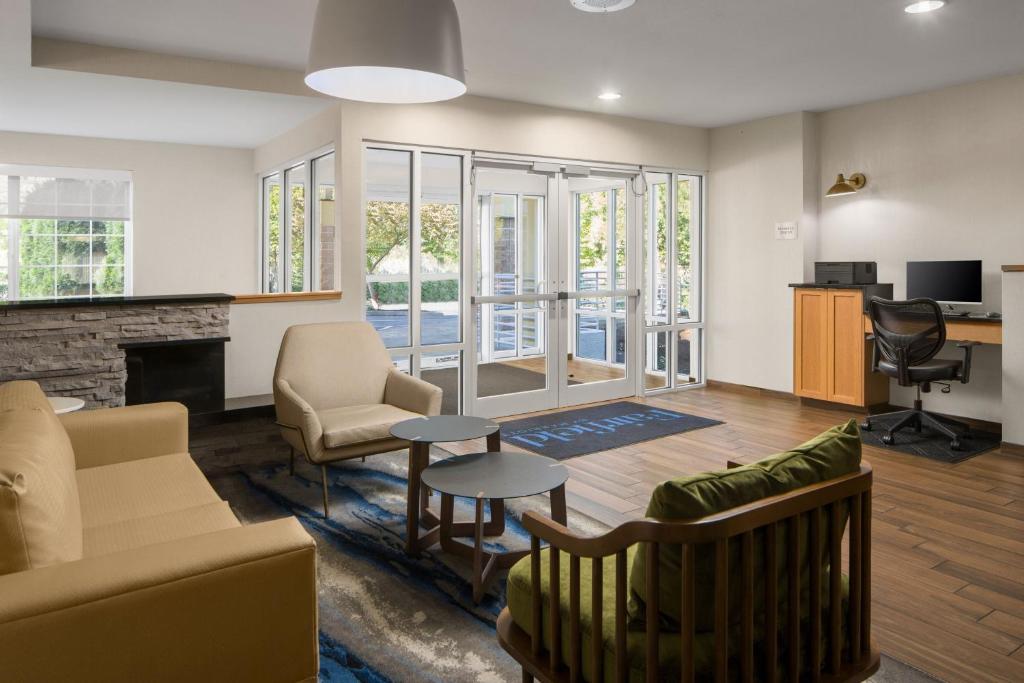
column 959, row 328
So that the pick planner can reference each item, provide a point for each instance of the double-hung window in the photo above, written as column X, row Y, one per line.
column 298, row 227
column 64, row 232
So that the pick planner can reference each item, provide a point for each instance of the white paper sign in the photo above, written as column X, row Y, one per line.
column 785, row 231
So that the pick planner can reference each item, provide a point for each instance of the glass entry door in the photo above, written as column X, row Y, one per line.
column 554, row 298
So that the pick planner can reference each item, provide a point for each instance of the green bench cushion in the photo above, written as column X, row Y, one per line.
column 669, row 645
column 833, row 453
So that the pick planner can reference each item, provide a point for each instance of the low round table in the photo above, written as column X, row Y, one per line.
column 420, row 432
column 65, row 404
column 494, row 477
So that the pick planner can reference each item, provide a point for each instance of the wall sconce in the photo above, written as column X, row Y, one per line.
column 845, row 186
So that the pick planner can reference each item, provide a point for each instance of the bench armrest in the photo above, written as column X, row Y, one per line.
column 112, row 435
column 237, row 604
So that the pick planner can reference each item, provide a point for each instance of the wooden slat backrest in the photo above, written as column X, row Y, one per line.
column 823, row 506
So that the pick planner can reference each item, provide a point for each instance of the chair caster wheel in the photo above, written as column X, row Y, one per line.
column 955, row 444
column 866, row 426
column 888, row 439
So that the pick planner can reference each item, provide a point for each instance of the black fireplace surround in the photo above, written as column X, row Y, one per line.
column 189, row 371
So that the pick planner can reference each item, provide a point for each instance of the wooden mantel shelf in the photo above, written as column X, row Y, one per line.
column 1013, row 269
column 330, row 295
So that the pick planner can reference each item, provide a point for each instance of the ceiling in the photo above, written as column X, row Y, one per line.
column 698, row 62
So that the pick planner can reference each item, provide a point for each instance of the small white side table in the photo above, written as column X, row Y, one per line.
column 65, row 404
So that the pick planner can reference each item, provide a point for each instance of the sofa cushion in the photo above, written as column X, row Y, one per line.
column 359, row 424
column 170, row 526
column 40, row 516
column 831, row 454
column 142, row 488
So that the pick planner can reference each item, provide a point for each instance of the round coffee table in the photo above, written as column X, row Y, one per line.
column 420, row 432
column 494, row 477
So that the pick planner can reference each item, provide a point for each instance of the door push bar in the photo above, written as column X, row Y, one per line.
column 554, row 296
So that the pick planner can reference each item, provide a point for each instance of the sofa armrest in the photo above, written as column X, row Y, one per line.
column 238, row 604
column 412, row 394
column 112, row 435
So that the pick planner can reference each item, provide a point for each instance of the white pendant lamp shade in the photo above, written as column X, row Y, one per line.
column 391, row 51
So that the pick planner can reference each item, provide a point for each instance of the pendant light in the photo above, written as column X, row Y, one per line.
column 388, row 51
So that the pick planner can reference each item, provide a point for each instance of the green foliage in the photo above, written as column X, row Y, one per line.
column 55, row 258
column 433, row 291
column 298, row 237
column 388, row 229
column 273, row 235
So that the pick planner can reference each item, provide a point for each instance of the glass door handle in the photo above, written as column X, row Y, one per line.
column 599, row 294
column 512, row 299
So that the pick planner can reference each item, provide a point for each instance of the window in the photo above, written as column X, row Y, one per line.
column 64, row 232
column 298, row 225
column 412, row 215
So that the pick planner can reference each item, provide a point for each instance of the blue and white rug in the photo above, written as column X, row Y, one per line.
column 383, row 615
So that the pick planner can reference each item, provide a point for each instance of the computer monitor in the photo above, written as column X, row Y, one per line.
column 948, row 282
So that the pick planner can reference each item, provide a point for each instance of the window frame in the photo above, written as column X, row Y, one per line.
column 13, row 174
column 311, row 248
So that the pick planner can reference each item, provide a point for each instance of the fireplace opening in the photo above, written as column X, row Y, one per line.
column 189, row 371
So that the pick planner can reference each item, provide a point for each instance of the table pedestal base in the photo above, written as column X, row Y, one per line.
column 485, row 564
column 419, row 514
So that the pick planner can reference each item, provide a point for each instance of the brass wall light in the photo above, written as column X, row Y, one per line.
column 846, row 186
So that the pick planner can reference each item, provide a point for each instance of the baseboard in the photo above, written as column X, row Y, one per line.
column 1012, row 448
column 749, row 390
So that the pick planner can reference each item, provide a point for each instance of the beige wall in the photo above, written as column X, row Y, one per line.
column 1013, row 358
column 194, row 207
column 943, row 172
column 757, row 179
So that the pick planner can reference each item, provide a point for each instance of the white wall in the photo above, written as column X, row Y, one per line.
column 194, row 207
column 1013, row 358
column 757, row 179
column 943, row 172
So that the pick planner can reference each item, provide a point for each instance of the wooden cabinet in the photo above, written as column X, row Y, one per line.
column 832, row 359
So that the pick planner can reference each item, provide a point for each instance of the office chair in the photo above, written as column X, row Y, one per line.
column 908, row 335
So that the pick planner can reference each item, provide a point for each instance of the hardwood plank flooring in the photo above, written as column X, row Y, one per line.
column 948, row 539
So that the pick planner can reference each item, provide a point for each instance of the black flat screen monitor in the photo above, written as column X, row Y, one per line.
column 948, row 282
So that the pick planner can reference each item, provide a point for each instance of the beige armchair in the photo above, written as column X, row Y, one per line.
column 337, row 394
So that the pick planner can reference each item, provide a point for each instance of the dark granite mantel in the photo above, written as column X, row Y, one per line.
column 82, row 301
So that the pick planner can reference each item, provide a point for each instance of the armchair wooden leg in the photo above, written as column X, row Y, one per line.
column 291, row 461
column 323, row 477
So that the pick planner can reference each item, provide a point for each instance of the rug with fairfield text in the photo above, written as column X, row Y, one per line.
column 597, row 428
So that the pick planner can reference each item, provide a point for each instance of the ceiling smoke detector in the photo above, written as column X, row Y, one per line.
column 601, row 5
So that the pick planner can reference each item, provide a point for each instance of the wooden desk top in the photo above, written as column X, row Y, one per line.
column 984, row 330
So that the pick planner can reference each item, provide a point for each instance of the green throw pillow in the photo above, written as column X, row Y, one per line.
column 831, row 454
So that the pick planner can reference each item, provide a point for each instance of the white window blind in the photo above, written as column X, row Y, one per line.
column 64, row 232
column 64, row 193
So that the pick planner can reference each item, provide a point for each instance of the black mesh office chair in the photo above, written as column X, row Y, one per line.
column 908, row 335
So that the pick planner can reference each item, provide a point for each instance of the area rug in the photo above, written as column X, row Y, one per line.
column 383, row 616
column 597, row 428
column 929, row 443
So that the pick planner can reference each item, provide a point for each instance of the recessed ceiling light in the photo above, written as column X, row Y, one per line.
column 924, row 6
column 610, row 95
column 601, row 5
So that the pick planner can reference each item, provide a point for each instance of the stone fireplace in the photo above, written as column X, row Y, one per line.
column 77, row 347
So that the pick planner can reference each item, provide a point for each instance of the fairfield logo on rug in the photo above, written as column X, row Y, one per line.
column 567, row 432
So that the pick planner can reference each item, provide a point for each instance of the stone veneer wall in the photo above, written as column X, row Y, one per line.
column 74, row 351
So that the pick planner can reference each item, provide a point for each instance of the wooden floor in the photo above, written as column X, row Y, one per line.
column 948, row 540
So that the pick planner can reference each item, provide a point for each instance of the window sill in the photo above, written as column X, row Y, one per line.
column 330, row 295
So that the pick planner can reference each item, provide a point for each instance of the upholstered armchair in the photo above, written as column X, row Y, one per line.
column 337, row 394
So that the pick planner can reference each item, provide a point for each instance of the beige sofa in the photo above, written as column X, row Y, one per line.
column 119, row 562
